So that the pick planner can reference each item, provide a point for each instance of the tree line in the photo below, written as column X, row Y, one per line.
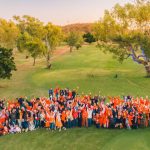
column 30, row 35
column 124, row 31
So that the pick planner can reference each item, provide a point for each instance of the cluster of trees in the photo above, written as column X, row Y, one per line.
column 125, row 32
column 30, row 35
column 36, row 38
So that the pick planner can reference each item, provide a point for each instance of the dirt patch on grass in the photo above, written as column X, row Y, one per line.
column 60, row 52
column 3, row 86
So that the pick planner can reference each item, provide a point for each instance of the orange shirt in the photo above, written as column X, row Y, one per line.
column 84, row 114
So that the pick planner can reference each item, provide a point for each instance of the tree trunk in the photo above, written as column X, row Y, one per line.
column 147, row 68
column 48, row 61
column 33, row 61
column 71, row 49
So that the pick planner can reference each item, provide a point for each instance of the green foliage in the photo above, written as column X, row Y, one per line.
column 8, row 34
column 79, row 41
column 125, row 31
column 36, row 48
column 31, row 25
column 7, row 64
column 43, row 39
column 54, row 35
column 22, row 40
column 74, row 39
column 89, row 38
column 31, row 36
column 53, row 38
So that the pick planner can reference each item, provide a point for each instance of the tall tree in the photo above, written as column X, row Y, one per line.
column 52, row 39
column 32, row 30
column 74, row 39
column 31, row 38
column 125, row 32
column 7, row 64
column 79, row 41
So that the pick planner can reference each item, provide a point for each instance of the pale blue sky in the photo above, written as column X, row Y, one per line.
column 58, row 11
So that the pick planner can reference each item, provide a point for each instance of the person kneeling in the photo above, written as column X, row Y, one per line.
column 119, row 122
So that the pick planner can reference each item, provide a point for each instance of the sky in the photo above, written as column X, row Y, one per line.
column 60, row 12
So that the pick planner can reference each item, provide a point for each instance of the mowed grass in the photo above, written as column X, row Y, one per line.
column 78, row 139
column 92, row 71
column 88, row 68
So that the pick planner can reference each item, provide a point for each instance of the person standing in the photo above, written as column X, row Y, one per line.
column 84, row 118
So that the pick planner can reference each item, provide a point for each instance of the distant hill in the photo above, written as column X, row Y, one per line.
column 80, row 27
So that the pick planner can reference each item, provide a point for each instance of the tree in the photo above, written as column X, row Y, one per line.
column 89, row 38
column 125, row 32
column 79, row 41
column 37, row 38
column 74, row 39
column 36, row 48
column 52, row 39
column 31, row 38
column 8, row 34
column 7, row 64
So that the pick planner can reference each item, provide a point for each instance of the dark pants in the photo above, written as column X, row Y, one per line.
column 42, row 124
column 89, row 122
column 69, row 123
column 98, row 125
column 52, row 126
column 75, row 122
column 24, row 124
column 64, row 124
column 80, row 122
column 36, row 123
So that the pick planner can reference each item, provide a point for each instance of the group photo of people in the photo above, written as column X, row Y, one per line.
column 66, row 109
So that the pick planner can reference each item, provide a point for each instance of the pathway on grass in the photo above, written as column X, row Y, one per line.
column 59, row 52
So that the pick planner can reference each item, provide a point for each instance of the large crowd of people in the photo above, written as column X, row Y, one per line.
column 65, row 109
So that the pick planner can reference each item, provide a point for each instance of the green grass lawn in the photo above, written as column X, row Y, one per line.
column 91, row 71
column 78, row 139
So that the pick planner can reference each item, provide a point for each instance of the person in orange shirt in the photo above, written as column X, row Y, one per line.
column 47, row 120
column 101, row 117
column 1, row 129
column 97, row 120
column 130, row 117
column 105, row 121
column 75, row 117
column 64, row 118
column 52, row 121
column 58, row 121
column 84, row 118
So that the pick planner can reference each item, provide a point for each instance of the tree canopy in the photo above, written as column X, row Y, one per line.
column 89, row 37
column 38, row 39
column 8, row 34
column 74, row 39
column 31, row 36
column 53, row 38
column 7, row 64
column 125, row 31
